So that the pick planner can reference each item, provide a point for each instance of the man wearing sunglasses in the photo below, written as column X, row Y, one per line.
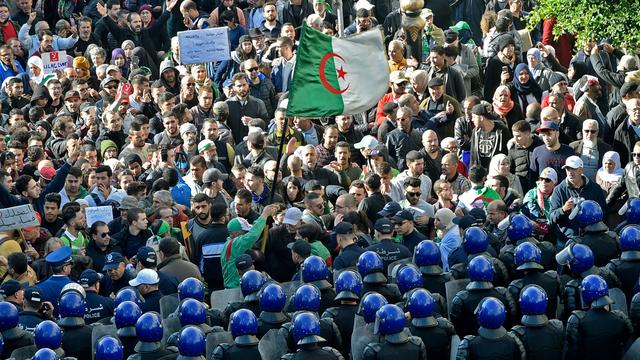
column 260, row 86
column 591, row 149
column 100, row 244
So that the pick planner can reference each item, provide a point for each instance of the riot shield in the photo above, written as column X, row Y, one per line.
column 455, row 342
column 360, row 338
column 168, row 304
column 272, row 346
column 394, row 267
column 170, row 326
column 452, row 288
column 25, row 352
column 634, row 351
column 216, row 338
column 221, row 298
column 619, row 300
column 98, row 332
column 290, row 287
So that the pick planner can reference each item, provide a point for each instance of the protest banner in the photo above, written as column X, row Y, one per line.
column 99, row 213
column 203, row 46
column 54, row 61
column 17, row 217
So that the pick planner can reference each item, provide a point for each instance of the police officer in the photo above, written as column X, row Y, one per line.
column 371, row 268
column 272, row 299
column 192, row 288
column 13, row 292
column 191, row 344
column 520, row 230
column 306, row 333
column 493, row 341
column 435, row 332
column 48, row 335
column 627, row 267
column 61, row 264
column 349, row 288
column 363, row 335
column 76, row 335
column 34, row 310
column 390, row 321
column 543, row 339
column 191, row 312
column 598, row 333
column 579, row 259
column 109, row 348
column 45, row 354
column 98, row 307
column 350, row 251
column 475, row 243
column 465, row 302
column 388, row 250
column 314, row 271
column 307, row 298
column 118, row 276
column 149, row 347
column 631, row 211
column 527, row 259
column 14, row 337
column 126, row 316
column 595, row 234
column 147, row 283
column 409, row 278
column 244, row 328
column 250, row 284
column 428, row 258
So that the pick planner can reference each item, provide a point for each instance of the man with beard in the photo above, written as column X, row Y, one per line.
column 86, row 36
column 71, row 105
column 441, row 110
column 591, row 149
column 415, row 168
column 73, row 189
column 204, row 109
column 326, row 149
column 137, row 141
column 404, row 138
column 452, row 79
column 189, row 146
column 112, row 130
column 243, row 108
column 569, row 123
column 260, row 193
column 432, row 154
column 201, row 207
column 135, row 236
column 171, row 134
column 170, row 77
column 488, row 138
column 311, row 170
column 421, row 210
column 75, row 221
column 587, row 105
column 270, row 26
column 260, row 86
column 197, row 166
column 459, row 183
column 399, row 81
column 342, row 166
column 552, row 154
column 15, row 95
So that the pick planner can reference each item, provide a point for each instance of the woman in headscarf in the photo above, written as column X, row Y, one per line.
column 199, row 72
column 36, row 70
column 83, row 71
column 538, row 69
column 611, row 172
column 119, row 59
column 527, row 90
column 505, row 107
column 500, row 165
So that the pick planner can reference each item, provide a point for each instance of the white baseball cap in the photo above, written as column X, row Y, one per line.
column 145, row 277
column 573, row 162
column 367, row 142
column 549, row 173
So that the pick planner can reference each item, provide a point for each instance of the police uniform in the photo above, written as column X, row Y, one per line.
column 348, row 257
column 51, row 288
column 253, row 306
column 543, row 341
column 435, row 282
column 507, row 255
column 597, row 334
column 235, row 351
column 28, row 320
column 492, row 344
column 270, row 320
column 98, row 307
column 159, row 354
column 465, row 302
column 627, row 269
column 328, row 331
column 76, row 340
column 602, row 242
column 343, row 316
column 151, row 301
column 571, row 296
column 389, row 291
column 501, row 278
column 408, row 347
column 549, row 281
column 14, row 339
column 435, row 334
column 315, row 353
column 109, row 286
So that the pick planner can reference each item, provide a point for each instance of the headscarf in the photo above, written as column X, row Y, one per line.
column 502, row 110
column 82, row 62
column 494, row 165
column 37, row 61
column 618, row 171
column 150, row 9
column 530, row 87
column 535, row 70
column 119, row 51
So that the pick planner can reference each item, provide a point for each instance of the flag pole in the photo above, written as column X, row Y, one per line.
column 285, row 128
column 339, row 12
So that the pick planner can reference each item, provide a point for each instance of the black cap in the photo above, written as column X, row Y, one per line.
column 402, row 215
column 33, row 295
column 112, row 260
column 311, row 185
column 450, row 36
column 343, row 228
column 10, row 287
column 464, row 222
column 147, row 256
column 436, row 81
column 384, row 226
column 244, row 262
column 504, row 41
column 482, row 110
column 300, row 247
column 478, row 215
column 88, row 278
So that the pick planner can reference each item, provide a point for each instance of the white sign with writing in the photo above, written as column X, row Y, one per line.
column 205, row 45
column 17, row 217
column 99, row 213
column 53, row 61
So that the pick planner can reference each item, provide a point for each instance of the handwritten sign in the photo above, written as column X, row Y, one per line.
column 99, row 213
column 17, row 217
column 205, row 45
column 53, row 61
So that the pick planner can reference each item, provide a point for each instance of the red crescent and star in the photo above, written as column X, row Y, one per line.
column 340, row 71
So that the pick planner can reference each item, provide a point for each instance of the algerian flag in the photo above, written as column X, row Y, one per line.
column 338, row 76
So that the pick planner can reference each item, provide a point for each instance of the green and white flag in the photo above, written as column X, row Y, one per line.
column 338, row 76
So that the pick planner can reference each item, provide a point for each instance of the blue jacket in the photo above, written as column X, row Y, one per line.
column 52, row 287
column 276, row 77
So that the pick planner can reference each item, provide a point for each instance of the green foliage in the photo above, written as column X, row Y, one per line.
column 618, row 20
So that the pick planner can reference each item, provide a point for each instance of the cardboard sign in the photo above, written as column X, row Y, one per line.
column 204, row 45
column 53, row 61
column 99, row 213
column 17, row 217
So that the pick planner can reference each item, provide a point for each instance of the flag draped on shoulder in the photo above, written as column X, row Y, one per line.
column 338, row 76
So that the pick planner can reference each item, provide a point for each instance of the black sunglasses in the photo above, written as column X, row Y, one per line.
column 414, row 194
column 253, row 69
column 546, row 180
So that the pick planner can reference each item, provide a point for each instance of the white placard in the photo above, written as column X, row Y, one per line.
column 17, row 217
column 99, row 213
column 204, row 45
column 53, row 61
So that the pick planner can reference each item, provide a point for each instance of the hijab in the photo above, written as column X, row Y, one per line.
column 618, row 171
column 37, row 61
column 494, row 165
column 530, row 87
column 502, row 110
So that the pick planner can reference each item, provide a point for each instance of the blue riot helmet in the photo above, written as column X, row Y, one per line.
column 491, row 313
column 127, row 294
column 633, row 211
column 149, row 331
column 409, row 278
column 48, row 335
column 589, row 213
column 370, row 304
column 191, row 288
column 427, row 257
column 371, row 268
column 109, row 348
column 528, row 256
column 422, row 306
column 45, row 354
column 192, row 312
column 520, row 227
column 307, row 298
column 272, row 298
column 244, row 327
column 595, row 291
column 126, row 316
column 348, row 286
column 582, row 258
column 390, row 321
column 475, row 240
column 480, row 271
column 250, row 284
column 191, row 342
column 313, row 269
column 8, row 317
column 71, row 307
column 533, row 305
column 630, row 238
column 306, row 329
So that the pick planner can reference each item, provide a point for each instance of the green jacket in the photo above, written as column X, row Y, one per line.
column 235, row 247
column 318, row 249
